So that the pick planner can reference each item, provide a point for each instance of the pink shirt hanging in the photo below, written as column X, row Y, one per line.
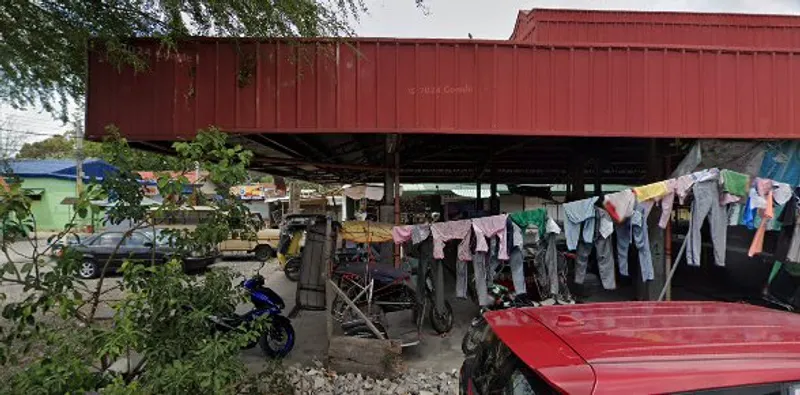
column 452, row 230
column 489, row 227
column 401, row 234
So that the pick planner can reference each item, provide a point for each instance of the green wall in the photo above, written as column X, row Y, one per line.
column 50, row 214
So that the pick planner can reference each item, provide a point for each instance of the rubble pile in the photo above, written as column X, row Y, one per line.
column 318, row 381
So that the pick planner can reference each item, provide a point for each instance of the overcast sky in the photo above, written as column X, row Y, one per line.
column 490, row 19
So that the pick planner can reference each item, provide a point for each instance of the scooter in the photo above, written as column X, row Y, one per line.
column 278, row 340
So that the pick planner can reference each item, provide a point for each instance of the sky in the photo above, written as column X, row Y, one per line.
column 487, row 19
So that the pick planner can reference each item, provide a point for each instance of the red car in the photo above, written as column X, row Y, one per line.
column 637, row 348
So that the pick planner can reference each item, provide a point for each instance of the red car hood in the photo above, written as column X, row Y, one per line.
column 655, row 347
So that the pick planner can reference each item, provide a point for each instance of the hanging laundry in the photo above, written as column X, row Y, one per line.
column 524, row 219
column 604, row 253
column 749, row 214
column 577, row 213
column 513, row 235
column 735, row 183
column 452, row 230
column 651, row 191
column 757, row 197
column 517, row 265
column 515, row 257
column 547, row 264
column 420, row 233
column 552, row 227
column 734, row 214
column 726, row 199
column 788, row 246
column 685, row 183
column 488, row 227
column 462, row 278
column 479, row 263
column 764, row 187
column 782, row 192
column 401, row 234
column 620, row 205
column 666, row 203
column 706, row 204
column 634, row 229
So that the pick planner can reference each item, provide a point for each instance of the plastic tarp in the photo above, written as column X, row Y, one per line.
column 742, row 156
column 366, row 232
column 778, row 160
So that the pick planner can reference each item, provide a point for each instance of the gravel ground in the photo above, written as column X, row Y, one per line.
column 318, row 381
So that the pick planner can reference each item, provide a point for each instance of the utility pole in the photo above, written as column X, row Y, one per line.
column 78, row 158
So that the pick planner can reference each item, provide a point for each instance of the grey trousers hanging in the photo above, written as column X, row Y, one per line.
column 515, row 262
column 438, row 282
column 706, row 204
column 462, row 276
column 479, row 270
column 551, row 264
column 604, row 252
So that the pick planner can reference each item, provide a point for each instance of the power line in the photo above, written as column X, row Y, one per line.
column 29, row 133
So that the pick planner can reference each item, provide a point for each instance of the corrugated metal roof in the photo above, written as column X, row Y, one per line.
column 448, row 86
column 569, row 26
column 60, row 168
column 470, row 190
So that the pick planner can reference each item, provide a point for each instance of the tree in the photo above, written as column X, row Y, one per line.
column 51, row 340
column 60, row 31
column 63, row 147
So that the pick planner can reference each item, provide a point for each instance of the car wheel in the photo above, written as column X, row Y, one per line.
column 88, row 269
column 263, row 252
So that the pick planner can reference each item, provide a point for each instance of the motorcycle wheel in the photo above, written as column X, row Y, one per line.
column 473, row 337
column 292, row 269
column 278, row 340
column 442, row 321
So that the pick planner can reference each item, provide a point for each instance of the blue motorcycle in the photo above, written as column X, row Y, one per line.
column 278, row 340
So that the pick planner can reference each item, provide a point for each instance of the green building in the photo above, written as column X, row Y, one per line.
column 51, row 184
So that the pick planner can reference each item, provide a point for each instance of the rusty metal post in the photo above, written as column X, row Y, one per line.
column 397, row 203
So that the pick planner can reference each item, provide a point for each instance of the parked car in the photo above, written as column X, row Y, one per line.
column 637, row 348
column 263, row 246
column 140, row 246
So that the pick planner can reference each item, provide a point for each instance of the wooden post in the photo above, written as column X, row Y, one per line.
column 329, row 294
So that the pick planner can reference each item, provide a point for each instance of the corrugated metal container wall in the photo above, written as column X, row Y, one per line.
column 448, row 87
column 543, row 26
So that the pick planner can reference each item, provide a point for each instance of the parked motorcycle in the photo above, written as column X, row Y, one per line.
column 502, row 299
column 278, row 340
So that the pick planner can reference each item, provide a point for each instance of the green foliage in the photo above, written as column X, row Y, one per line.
column 63, row 147
column 51, row 340
column 43, row 44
